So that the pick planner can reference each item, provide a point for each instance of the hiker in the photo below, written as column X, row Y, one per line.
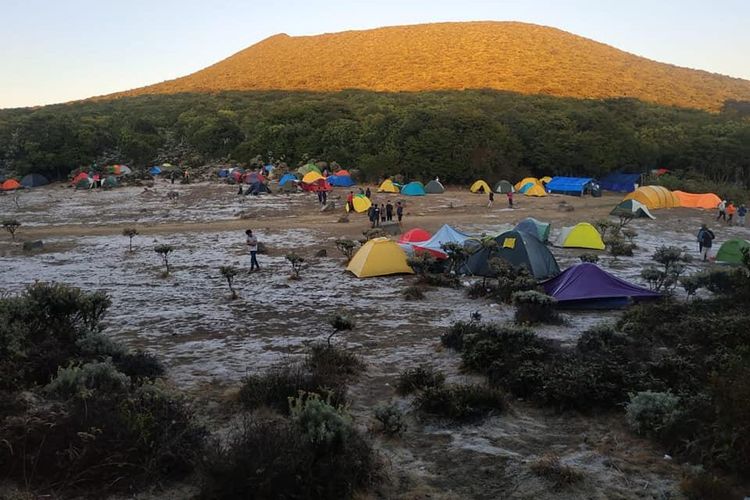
column 731, row 210
column 705, row 241
column 240, row 190
column 324, row 197
column 741, row 213
column 368, row 193
column 375, row 215
column 186, row 176
column 399, row 211
column 350, row 201
column 491, row 199
column 172, row 175
column 382, row 212
column 252, row 246
column 510, row 199
column 320, row 197
column 389, row 211
column 722, row 210
column 361, row 191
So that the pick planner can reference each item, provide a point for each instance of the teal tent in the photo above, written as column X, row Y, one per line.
column 413, row 189
column 534, row 227
column 518, row 248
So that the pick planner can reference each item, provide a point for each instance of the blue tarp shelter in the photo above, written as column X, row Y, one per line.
column 568, row 185
column 340, row 180
column 622, row 183
column 286, row 178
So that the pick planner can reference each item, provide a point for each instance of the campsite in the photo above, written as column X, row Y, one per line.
column 210, row 343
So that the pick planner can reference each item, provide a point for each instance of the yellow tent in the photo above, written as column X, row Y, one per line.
column 582, row 235
column 525, row 181
column 311, row 177
column 654, row 197
column 480, row 185
column 388, row 187
column 545, row 179
column 378, row 257
column 361, row 203
column 536, row 190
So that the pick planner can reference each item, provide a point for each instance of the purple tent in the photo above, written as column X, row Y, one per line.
column 586, row 286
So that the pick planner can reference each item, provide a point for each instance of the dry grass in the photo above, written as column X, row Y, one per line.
column 510, row 56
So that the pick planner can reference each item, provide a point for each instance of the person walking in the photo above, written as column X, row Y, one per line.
column 350, row 201
column 368, row 193
column 510, row 199
column 252, row 245
column 389, row 211
column 731, row 210
column 399, row 211
column 741, row 213
column 325, row 197
column 186, row 176
column 376, row 214
column 491, row 199
column 722, row 210
column 705, row 241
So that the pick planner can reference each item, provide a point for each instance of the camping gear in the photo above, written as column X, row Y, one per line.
column 730, row 251
column 320, row 185
column 480, row 187
column 253, row 178
column 10, row 185
column 157, row 170
column 534, row 190
column 445, row 234
column 110, row 181
column 361, row 203
column 311, row 177
column 415, row 235
column 525, row 181
column 518, row 248
column 654, row 197
column 78, row 178
column 693, row 200
column 574, row 186
column 343, row 173
column 631, row 208
column 340, row 180
column 413, row 189
column 119, row 170
column 535, row 228
column 582, row 235
column 434, row 187
column 379, row 257
column 306, row 169
column 288, row 177
column 84, row 183
column 587, row 286
column 503, row 187
column 34, row 180
column 620, row 182
column 388, row 187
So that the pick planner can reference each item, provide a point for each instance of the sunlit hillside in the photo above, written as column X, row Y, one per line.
column 508, row 56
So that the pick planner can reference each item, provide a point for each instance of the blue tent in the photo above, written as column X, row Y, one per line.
column 154, row 170
column 413, row 189
column 568, row 185
column 340, row 180
column 622, row 183
column 268, row 168
column 224, row 172
column 445, row 234
column 286, row 178
column 34, row 180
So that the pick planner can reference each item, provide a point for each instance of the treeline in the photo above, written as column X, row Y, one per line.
column 458, row 136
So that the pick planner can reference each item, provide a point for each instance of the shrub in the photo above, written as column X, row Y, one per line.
column 139, row 365
column 421, row 377
column 461, row 402
column 413, row 292
column 346, row 247
column 164, row 251
column 320, row 423
column 510, row 280
column 229, row 272
column 330, row 362
column 423, row 262
column 457, row 256
column 391, row 419
column 649, row 412
column 672, row 260
column 454, row 337
column 589, row 257
column 618, row 247
column 478, row 289
column 297, row 263
column 339, row 322
column 549, row 467
column 441, row 280
column 535, row 307
column 705, row 486
column 11, row 225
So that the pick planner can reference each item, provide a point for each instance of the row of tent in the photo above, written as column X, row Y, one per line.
column 28, row 181
column 656, row 197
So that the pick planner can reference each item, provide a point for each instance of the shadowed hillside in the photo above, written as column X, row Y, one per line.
column 509, row 56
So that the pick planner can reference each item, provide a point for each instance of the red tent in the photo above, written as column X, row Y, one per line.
column 78, row 178
column 343, row 172
column 10, row 185
column 414, row 236
column 319, row 185
column 253, row 177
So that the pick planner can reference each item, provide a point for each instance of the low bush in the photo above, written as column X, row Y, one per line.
column 535, row 307
column 589, row 257
column 461, row 402
column 391, row 419
column 704, row 486
column 618, row 246
column 331, row 362
column 416, row 379
column 441, row 279
column 648, row 413
column 549, row 467
column 413, row 292
column 478, row 289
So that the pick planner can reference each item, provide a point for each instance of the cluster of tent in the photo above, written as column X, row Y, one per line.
column 532, row 186
column 581, row 286
column 414, row 188
column 28, row 181
column 642, row 200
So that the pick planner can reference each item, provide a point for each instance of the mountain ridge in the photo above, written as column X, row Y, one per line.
column 508, row 56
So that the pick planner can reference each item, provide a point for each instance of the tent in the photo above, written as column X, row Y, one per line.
column 434, row 187
column 480, row 187
column 445, row 234
column 622, row 183
column 84, row 183
column 379, row 257
column 504, row 187
column 343, row 172
column 631, row 208
column 288, row 177
column 361, row 203
column 520, row 249
column 525, row 181
column 340, row 180
column 78, row 178
column 587, row 286
column 157, row 170
column 415, row 235
column 311, row 177
column 110, row 181
column 223, row 172
column 253, row 178
column 535, row 190
column 692, row 200
column 730, row 251
column 320, row 185
column 119, row 170
column 10, row 185
column 388, row 187
column 308, row 168
column 413, row 189
column 34, row 180
column 545, row 179
column 534, row 227
column 654, row 197
column 527, row 186
column 568, row 185
column 582, row 235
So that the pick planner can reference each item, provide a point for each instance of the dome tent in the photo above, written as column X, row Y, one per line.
column 632, row 208
column 730, row 251
column 518, row 248
column 387, row 186
column 534, row 227
column 10, row 185
column 413, row 189
column 287, row 177
column 504, row 187
column 480, row 187
column 534, row 190
column 157, row 170
column 361, row 203
column 311, row 177
column 415, row 235
column 340, row 180
column 445, row 234
column 582, row 235
column 379, row 257
column 34, row 180
column 654, row 197
column 525, row 181
column 434, row 187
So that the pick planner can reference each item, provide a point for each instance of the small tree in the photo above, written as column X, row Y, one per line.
column 422, row 262
column 339, row 323
column 691, row 284
column 130, row 232
column 673, row 261
column 229, row 272
column 164, row 251
column 297, row 263
column 457, row 256
column 11, row 225
column 625, row 220
column 534, row 307
column 346, row 247
column 604, row 226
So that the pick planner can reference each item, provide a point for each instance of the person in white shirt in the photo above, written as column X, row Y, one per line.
column 722, row 210
column 252, row 245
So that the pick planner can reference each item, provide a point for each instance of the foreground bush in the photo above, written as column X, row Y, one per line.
column 534, row 307
column 461, row 402
column 549, row 467
column 416, row 379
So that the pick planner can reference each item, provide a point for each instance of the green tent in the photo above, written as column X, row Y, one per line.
column 110, row 181
column 537, row 228
column 504, row 187
column 309, row 168
column 520, row 249
column 632, row 208
column 730, row 251
column 84, row 183
column 434, row 187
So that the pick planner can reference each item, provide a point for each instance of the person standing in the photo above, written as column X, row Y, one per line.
column 741, row 213
column 705, row 240
column 731, row 210
column 491, row 199
column 382, row 213
column 722, row 210
column 252, row 245
column 510, row 199
column 376, row 215
column 186, row 176
column 399, row 211
column 350, row 201
column 389, row 211
column 368, row 193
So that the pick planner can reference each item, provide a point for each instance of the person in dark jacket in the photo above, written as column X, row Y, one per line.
column 368, row 193
column 705, row 241
column 389, row 211
column 399, row 211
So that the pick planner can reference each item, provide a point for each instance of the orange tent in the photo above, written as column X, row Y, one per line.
column 10, row 185
column 694, row 200
column 343, row 172
column 654, row 197
column 78, row 178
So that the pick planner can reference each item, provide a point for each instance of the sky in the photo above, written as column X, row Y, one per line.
column 60, row 50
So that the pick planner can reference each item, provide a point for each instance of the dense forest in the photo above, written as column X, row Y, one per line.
column 457, row 135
